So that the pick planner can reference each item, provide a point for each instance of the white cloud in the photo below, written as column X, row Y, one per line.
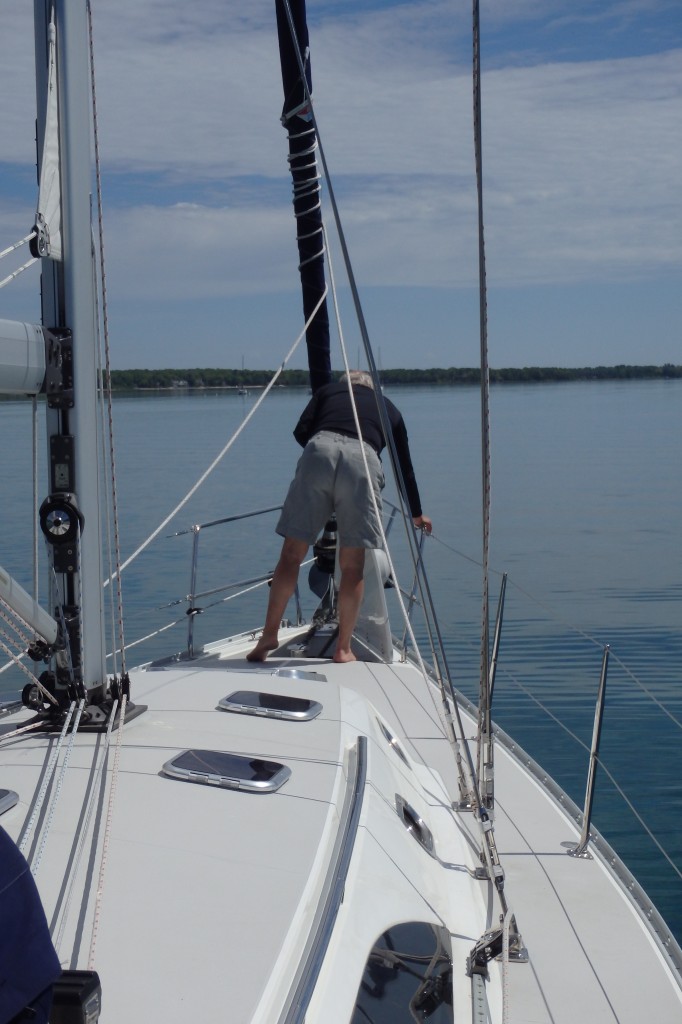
column 582, row 160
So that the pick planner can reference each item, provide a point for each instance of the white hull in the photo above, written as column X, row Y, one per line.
column 210, row 898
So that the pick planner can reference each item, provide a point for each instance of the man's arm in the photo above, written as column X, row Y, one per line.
column 402, row 448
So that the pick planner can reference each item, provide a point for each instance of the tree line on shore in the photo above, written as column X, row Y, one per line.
column 221, row 378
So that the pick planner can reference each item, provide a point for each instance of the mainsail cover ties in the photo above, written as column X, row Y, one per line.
column 48, row 225
column 298, row 120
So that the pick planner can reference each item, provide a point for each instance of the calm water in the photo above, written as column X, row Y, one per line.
column 586, row 499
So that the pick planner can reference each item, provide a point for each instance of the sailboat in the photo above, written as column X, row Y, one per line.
column 298, row 840
column 242, row 390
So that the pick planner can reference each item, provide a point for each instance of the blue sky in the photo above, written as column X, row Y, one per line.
column 582, row 137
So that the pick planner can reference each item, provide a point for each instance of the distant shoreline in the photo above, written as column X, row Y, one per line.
column 225, row 379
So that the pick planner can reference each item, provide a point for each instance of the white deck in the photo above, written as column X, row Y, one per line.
column 209, row 894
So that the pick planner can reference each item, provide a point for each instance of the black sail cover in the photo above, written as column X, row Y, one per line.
column 298, row 121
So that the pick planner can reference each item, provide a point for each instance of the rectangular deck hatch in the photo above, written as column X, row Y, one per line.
column 231, row 771
column 271, row 705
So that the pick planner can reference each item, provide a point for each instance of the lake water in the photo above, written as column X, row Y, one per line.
column 586, row 504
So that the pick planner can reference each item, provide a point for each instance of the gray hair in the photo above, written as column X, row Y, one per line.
column 358, row 377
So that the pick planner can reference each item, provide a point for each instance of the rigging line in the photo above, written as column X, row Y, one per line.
column 85, row 829
column 110, row 563
column 13, row 624
column 506, row 926
column 254, row 408
column 60, row 602
column 36, row 499
column 47, row 780
column 55, row 796
column 8, row 650
column 561, row 620
column 15, row 616
column 214, row 604
column 115, row 621
column 652, row 697
column 445, row 710
column 640, row 819
column 240, row 593
column 581, row 743
column 17, row 245
column 370, row 357
column 361, row 322
column 485, row 749
column 105, row 325
column 19, row 664
column 150, row 636
column 18, row 271
column 107, row 829
column 22, row 729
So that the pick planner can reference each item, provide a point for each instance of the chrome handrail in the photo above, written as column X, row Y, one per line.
column 195, row 530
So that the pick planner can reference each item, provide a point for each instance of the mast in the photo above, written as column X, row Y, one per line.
column 297, row 118
column 69, row 310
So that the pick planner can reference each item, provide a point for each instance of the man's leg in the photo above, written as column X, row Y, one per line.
column 282, row 587
column 352, row 565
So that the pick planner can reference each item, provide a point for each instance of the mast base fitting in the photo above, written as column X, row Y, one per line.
column 120, row 687
column 32, row 698
column 39, row 650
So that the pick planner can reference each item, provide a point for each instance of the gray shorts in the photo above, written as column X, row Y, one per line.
column 330, row 478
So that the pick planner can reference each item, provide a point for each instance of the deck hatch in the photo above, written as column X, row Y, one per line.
column 271, row 705
column 414, row 824
column 299, row 673
column 393, row 743
column 231, row 771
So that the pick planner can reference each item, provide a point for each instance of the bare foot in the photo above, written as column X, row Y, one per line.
column 344, row 656
column 261, row 650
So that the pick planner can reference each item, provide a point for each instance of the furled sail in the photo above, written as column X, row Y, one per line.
column 48, row 237
column 298, row 120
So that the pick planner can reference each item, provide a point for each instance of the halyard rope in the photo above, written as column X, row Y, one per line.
column 85, row 829
column 107, row 832
column 12, row 623
column 368, row 350
column 105, row 330
column 19, row 270
column 485, row 747
column 46, row 781
column 55, row 796
column 17, row 245
column 506, row 925
column 444, row 713
column 16, row 660
column 24, row 728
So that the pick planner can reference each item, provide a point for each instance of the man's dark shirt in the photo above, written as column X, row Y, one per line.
column 330, row 409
